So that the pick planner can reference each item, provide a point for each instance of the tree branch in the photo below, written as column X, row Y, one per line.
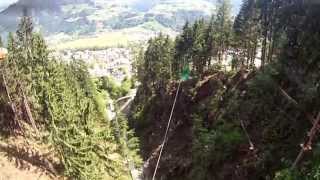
column 307, row 146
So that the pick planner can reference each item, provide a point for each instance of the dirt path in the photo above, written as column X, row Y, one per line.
column 9, row 170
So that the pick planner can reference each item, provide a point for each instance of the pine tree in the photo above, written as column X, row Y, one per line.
column 247, row 34
column 14, row 79
column 24, row 38
column 183, row 49
column 223, row 26
column 209, row 42
column 39, row 65
column 24, row 32
column 64, row 101
column 198, row 47
column 191, row 49
column 139, row 72
column 158, row 62
column 271, row 23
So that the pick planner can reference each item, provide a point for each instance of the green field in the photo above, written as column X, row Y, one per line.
column 121, row 38
column 112, row 39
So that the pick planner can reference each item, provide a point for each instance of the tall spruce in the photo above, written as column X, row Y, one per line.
column 210, row 45
column 246, row 28
column 198, row 47
column 183, row 50
column 158, row 62
column 223, row 24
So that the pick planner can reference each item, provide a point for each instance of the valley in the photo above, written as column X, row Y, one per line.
column 135, row 20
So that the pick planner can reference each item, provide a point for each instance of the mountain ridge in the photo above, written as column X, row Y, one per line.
column 85, row 18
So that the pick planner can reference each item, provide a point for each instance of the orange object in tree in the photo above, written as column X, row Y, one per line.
column 3, row 53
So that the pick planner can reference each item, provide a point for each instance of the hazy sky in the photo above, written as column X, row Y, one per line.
column 5, row 3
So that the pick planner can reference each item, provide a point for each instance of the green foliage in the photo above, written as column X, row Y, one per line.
column 212, row 146
column 68, row 108
column 101, row 99
column 77, row 128
column 129, row 143
column 115, row 90
column 183, row 44
column 287, row 174
column 204, row 41
column 157, row 63
column 223, row 29
column 287, row 31
column 265, row 82
column 196, row 48
column 138, row 65
column 140, row 112
column 247, row 33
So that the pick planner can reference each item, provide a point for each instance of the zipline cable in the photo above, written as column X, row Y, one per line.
column 167, row 130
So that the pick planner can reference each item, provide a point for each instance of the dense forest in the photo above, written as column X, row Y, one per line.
column 246, row 90
column 255, row 117
column 59, row 106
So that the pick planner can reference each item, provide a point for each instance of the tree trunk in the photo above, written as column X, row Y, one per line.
column 271, row 51
column 263, row 51
column 12, row 105
column 270, row 36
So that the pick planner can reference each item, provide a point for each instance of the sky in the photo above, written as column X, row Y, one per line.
column 5, row 3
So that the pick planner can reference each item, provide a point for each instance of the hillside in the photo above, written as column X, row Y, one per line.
column 67, row 20
column 198, row 121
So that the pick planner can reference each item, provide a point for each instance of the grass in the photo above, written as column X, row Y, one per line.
column 111, row 39
column 122, row 38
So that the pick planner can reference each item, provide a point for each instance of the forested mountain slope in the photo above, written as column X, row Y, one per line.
column 249, row 123
column 73, row 18
column 112, row 15
column 53, row 115
column 247, row 101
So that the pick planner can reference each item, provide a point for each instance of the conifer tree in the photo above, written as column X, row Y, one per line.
column 24, row 36
column 198, row 47
column 247, row 30
column 183, row 49
column 223, row 24
column 209, row 46
column 63, row 100
column 158, row 62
